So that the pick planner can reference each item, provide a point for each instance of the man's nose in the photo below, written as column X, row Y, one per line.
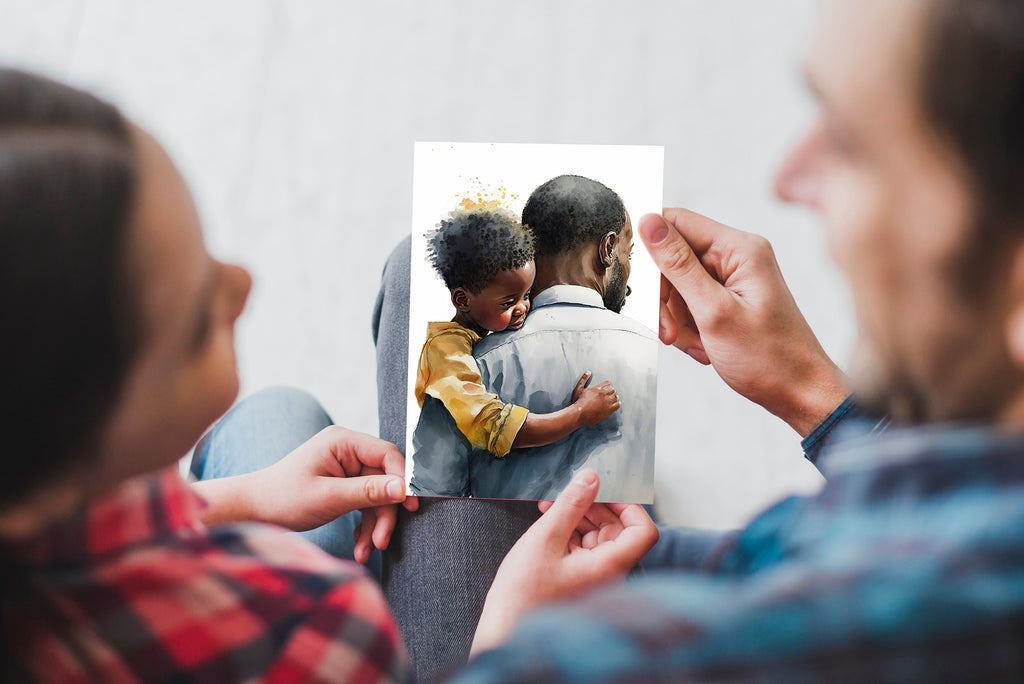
column 241, row 283
column 799, row 178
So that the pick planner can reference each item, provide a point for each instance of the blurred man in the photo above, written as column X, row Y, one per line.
column 910, row 563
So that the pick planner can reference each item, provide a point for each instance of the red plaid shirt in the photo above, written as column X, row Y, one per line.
column 134, row 588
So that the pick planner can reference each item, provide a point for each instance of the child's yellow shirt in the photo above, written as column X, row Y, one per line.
column 448, row 372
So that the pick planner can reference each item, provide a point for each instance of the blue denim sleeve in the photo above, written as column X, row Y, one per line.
column 847, row 420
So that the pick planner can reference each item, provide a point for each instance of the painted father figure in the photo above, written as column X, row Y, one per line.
column 584, row 239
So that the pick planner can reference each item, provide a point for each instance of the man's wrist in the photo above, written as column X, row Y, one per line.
column 811, row 401
column 577, row 417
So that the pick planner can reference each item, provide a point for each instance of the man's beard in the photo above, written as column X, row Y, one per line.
column 883, row 389
column 967, row 375
column 617, row 291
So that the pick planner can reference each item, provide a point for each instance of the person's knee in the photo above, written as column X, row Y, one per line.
column 258, row 431
column 394, row 287
column 283, row 400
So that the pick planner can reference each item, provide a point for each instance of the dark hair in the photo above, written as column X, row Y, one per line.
column 572, row 210
column 67, row 187
column 469, row 248
column 972, row 92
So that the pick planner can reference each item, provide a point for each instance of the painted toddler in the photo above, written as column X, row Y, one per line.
column 486, row 260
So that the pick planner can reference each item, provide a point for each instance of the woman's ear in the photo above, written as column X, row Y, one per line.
column 606, row 249
column 461, row 298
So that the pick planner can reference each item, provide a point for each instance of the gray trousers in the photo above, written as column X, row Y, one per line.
column 442, row 558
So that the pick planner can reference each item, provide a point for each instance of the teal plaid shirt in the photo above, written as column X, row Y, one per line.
column 908, row 565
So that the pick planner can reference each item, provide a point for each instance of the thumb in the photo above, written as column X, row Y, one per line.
column 676, row 259
column 580, row 386
column 571, row 505
column 366, row 491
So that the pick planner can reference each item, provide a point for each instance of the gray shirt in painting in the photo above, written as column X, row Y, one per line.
column 568, row 332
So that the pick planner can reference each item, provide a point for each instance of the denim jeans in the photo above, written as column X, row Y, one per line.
column 256, row 433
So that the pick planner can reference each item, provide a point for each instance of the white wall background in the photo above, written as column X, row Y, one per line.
column 294, row 121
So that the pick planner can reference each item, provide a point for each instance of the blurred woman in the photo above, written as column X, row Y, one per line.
column 117, row 353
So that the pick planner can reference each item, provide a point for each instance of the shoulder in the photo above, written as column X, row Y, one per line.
column 449, row 330
column 561, row 322
column 306, row 609
column 266, row 559
column 449, row 337
column 276, row 550
column 617, row 321
column 335, row 624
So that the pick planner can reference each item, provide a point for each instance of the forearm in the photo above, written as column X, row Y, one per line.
column 540, row 429
column 228, row 499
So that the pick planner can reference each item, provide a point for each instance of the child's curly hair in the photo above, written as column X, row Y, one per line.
column 469, row 248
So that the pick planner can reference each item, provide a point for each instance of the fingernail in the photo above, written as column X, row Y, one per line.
column 653, row 228
column 396, row 488
column 587, row 478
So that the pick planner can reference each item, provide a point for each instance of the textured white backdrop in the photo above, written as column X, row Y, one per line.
column 294, row 122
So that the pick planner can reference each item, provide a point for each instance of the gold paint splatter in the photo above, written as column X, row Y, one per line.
column 486, row 205
column 484, row 196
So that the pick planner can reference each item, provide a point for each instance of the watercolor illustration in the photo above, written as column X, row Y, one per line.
column 532, row 351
